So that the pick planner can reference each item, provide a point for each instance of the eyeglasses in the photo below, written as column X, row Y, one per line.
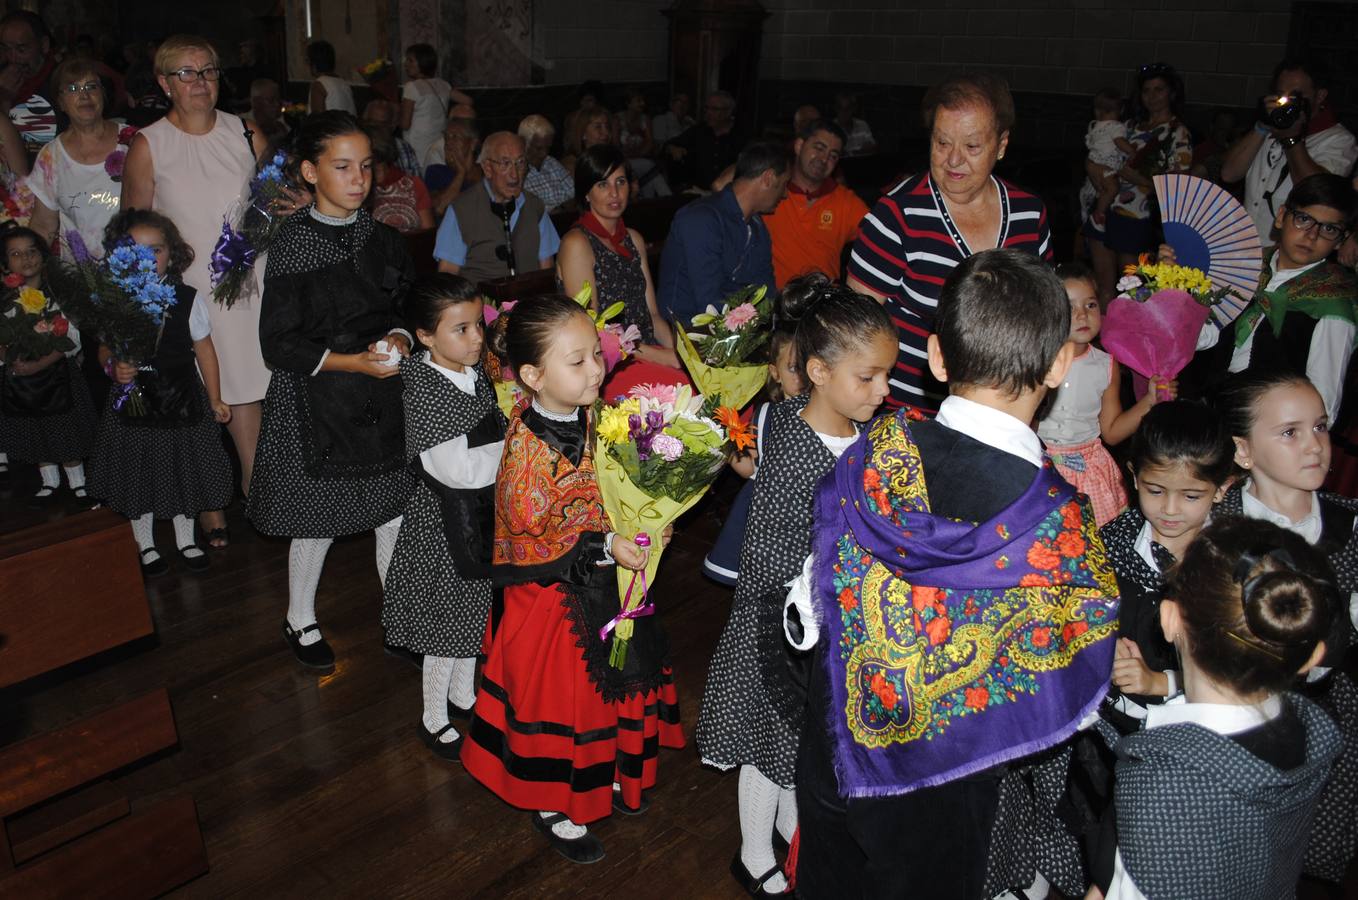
column 504, row 165
column 1329, row 231
column 190, row 75
column 82, row 88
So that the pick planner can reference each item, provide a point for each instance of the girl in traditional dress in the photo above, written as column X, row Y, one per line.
column 1087, row 412
column 1215, row 797
column 166, row 462
column 331, row 457
column 557, row 729
column 46, row 416
column 437, row 594
column 752, row 712
column 1277, row 419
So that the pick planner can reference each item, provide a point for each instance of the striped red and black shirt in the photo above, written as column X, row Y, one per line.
column 906, row 248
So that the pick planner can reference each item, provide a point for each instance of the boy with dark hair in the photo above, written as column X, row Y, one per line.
column 969, row 617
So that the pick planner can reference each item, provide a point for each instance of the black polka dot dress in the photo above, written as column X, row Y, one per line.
column 330, row 456
column 428, row 606
column 752, row 711
column 49, row 437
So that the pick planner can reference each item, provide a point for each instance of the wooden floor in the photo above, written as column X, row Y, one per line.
column 312, row 786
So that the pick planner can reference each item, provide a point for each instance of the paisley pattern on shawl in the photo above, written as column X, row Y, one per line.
column 542, row 502
column 953, row 647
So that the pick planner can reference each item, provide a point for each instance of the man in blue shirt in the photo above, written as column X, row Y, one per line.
column 493, row 229
column 719, row 244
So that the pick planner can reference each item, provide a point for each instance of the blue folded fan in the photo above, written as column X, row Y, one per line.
column 1210, row 230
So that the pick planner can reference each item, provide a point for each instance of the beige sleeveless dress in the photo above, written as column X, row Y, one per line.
column 200, row 179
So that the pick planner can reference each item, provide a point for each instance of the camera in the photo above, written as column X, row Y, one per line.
column 1284, row 112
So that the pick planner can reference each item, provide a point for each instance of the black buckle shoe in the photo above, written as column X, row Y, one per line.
column 449, row 750
column 752, row 885
column 458, row 712
column 196, row 563
column 584, row 850
column 621, row 806
column 315, row 656
column 157, row 566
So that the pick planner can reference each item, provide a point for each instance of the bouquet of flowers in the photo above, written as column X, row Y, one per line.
column 233, row 258
column 120, row 299
column 657, row 450
column 375, row 71
column 30, row 324
column 1153, row 324
column 722, row 358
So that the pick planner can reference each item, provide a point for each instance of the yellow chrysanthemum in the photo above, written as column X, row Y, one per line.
column 613, row 425
column 32, row 300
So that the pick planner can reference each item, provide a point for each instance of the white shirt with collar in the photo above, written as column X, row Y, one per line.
column 1333, row 149
column 1222, row 718
column 452, row 463
column 983, row 423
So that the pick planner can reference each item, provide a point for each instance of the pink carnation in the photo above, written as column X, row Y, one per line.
column 660, row 393
column 669, row 447
column 741, row 316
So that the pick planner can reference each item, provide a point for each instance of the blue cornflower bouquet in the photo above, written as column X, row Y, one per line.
column 241, row 243
column 120, row 299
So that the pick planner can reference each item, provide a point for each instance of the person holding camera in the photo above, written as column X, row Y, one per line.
column 1297, row 135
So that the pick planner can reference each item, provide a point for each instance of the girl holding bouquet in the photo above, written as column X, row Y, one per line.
column 168, row 461
column 331, row 456
column 557, row 729
column 845, row 347
column 1282, row 442
column 1086, row 411
column 46, row 415
column 437, row 595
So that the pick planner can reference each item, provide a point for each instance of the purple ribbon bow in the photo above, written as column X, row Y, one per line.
column 233, row 251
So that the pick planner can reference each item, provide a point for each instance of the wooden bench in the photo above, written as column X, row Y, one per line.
column 543, row 281
column 73, row 589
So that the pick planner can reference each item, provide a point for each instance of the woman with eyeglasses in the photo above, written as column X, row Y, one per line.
column 75, row 179
column 1163, row 145
column 194, row 166
column 1302, row 318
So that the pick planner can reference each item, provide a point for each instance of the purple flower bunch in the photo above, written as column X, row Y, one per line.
column 643, row 431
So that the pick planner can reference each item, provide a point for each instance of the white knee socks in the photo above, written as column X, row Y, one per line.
column 385, row 537
column 50, row 474
column 758, row 801
column 787, row 813
column 462, row 687
column 438, row 673
column 306, row 557
column 183, row 536
column 75, row 476
column 142, row 532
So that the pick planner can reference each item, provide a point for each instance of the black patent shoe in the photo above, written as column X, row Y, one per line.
column 449, row 750
column 779, row 844
column 458, row 712
column 752, row 885
column 196, row 563
column 584, row 850
column 619, row 805
column 315, row 656
column 154, row 567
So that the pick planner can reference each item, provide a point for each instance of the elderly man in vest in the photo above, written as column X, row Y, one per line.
column 495, row 230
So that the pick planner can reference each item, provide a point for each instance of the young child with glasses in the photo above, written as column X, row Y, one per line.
column 1302, row 316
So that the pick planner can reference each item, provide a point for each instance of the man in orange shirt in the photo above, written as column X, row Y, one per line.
column 819, row 216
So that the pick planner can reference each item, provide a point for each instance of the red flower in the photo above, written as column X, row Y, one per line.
column 60, row 325
column 848, row 599
column 921, row 597
column 14, row 280
column 1040, row 556
column 125, row 134
column 872, row 479
column 1042, row 636
column 1071, row 544
column 938, row 630
column 978, row 698
column 1002, row 562
column 1002, row 531
column 1071, row 516
column 1073, row 630
column 884, row 690
column 1034, row 580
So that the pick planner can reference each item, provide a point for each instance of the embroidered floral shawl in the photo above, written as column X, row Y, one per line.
column 542, row 502
column 953, row 647
column 1328, row 290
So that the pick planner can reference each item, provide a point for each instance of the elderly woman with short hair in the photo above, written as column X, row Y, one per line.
column 918, row 232
column 194, row 165
column 75, row 177
column 547, row 179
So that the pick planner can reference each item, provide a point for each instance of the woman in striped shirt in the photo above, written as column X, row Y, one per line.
column 916, row 234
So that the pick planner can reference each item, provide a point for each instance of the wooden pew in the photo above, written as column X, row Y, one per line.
column 543, row 281
column 73, row 589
